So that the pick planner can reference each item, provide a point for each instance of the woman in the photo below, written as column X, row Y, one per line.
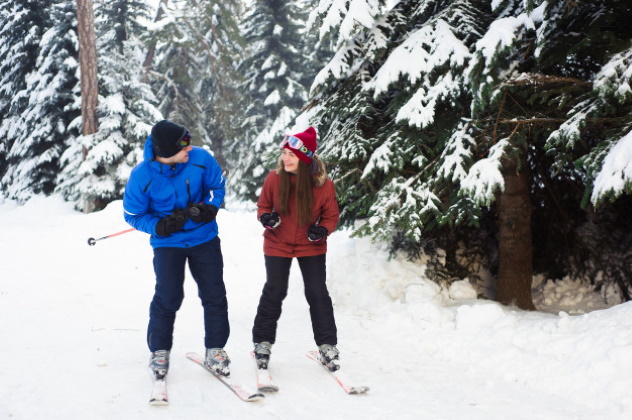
column 298, row 208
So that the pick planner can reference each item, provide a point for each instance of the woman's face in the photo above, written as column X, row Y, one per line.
column 290, row 161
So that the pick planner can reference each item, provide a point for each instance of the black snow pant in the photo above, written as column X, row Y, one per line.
column 207, row 268
column 275, row 290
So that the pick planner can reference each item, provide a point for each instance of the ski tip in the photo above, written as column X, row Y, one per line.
column 268, row 388
column 158, row 402
column 255, row 397
column 357, row 390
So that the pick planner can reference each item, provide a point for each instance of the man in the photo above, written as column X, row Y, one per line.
column 174, row 195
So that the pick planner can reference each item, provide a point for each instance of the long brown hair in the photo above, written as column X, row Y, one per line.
column 304, row 193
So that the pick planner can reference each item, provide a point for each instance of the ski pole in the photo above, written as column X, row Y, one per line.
column 92, row 241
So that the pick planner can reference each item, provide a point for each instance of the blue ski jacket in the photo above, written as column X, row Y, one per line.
column 154, row 190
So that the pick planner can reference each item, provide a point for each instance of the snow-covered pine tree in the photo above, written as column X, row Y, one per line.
column 378, row 97
column 275, row 63
column 194, row 69
column 21, row 28
column 173, row 71
column 594, row 141
column 319, row 50
column 609, row 164
column 42, row 130
column 218, row 90
column 604, row 110
column 439, row 114
column 127, row 110
column 534, row 75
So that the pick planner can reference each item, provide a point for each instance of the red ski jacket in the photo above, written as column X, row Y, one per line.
column 289, row 239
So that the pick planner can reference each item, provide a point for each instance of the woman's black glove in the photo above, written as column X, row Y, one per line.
column 270, row 220
column 171, row 223
column 317, row 233
column 202, row 213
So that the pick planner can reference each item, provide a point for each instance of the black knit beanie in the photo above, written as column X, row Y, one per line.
column 165, row 136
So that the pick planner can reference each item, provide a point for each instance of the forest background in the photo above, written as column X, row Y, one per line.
column 490, row 139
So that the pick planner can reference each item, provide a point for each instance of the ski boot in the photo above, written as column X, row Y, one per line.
column 159, row 363
column 329, row 356
column 217, row 359
column 262, row 354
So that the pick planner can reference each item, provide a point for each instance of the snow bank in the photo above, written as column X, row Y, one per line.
column 585, row 358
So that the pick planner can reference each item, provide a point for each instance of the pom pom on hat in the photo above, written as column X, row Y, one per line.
column 308, row 137
column 165, row 136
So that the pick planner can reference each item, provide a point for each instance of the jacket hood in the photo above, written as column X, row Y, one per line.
column 148, row 150
column 321, row 172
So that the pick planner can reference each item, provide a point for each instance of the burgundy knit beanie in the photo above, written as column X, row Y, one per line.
column 308, row 137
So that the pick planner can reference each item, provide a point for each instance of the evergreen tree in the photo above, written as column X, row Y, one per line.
column 453, row 112
column 173, row 71
column 41, row 131
column 382, row 92
column 194, row 73
column 546, row 102
column 274, row 69
column 221, row 99
column 127, row 110
column 21, row 28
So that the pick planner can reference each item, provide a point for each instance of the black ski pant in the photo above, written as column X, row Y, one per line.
column 207, row 268
column 275, row 290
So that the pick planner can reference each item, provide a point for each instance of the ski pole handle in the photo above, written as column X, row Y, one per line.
column 92, row 241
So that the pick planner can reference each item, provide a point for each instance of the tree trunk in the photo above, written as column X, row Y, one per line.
column 88, row 65
column 89, row 84
column 151, row 49
column 515, row 257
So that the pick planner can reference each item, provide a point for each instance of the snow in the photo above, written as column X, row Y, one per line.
column 344, row 15
column 616, row 75
column 412, row 59
column 380, row 160
column 337, row 67
column 503, row 31
column 616, row 171
column 273, row 98
column 419, row 111
column 485, row 177
column 73, row 319
column 456, row 154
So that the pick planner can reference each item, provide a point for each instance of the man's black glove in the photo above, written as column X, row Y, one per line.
column 202, row 213
column 317, row 233
column 171, row 223
column 270, row 220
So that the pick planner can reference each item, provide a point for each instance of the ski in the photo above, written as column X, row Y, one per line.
column 239, row 390
column 264, row 380
column 159, row 390
column 342, row 380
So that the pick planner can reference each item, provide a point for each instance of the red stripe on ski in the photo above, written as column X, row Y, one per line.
column 342, row 380
column 239, row 390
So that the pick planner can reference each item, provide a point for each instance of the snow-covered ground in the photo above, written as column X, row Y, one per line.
column 73, row 319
